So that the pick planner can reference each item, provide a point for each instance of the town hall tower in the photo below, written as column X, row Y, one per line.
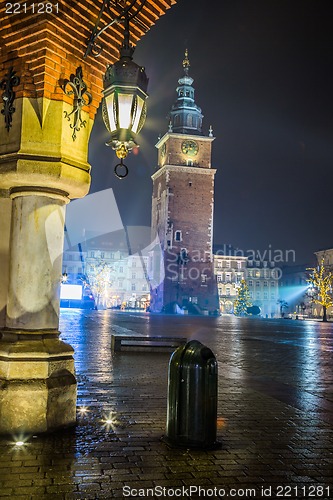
column 182, row 210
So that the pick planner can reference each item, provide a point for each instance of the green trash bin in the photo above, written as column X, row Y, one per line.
column 192, row 397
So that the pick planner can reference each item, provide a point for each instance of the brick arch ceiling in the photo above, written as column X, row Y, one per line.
column 47, row 47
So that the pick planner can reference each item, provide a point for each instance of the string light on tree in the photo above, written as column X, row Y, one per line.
column 320, row 281
column 243, row 300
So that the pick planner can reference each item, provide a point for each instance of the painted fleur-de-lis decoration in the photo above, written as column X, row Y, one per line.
column 76, row 87
column 6, row 84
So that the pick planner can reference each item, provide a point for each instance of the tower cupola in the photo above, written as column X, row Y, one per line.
column 185, row 116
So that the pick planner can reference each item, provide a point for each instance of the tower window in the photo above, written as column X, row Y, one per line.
column 189, row 163
column 178, row 236
column 190, row 183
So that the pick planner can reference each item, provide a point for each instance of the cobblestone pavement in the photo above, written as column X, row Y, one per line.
column 275, row 415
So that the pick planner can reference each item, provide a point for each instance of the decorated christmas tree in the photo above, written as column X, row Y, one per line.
column 321, row 281
column 243, row 299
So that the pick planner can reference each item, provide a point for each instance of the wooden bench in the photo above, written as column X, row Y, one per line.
column 145, row 343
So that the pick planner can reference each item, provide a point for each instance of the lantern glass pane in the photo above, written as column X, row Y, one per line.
column 124, row 110
column 136, row 119
column 110, row 104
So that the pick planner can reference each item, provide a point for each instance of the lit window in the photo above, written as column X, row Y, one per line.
column 219, row 277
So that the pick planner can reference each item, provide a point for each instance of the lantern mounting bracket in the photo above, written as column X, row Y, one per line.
column 126, row 14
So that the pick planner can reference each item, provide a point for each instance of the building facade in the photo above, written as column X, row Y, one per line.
column 229, row 272
column 108, row 272
column 262, row 278
column 182, row 210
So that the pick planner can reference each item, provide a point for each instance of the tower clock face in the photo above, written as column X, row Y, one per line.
column 190, row 147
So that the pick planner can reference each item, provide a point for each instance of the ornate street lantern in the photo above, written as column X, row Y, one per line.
column 125, row 88
column 124, row 102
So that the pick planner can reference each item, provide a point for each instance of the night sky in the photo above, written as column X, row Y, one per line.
column 263, row 77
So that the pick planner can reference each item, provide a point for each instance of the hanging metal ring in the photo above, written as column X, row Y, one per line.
column 120, row 165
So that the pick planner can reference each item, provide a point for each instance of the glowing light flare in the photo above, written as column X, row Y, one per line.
column 110, row 107
column 125, row 110
column 110, row 421
column 20, row 442
column 136, row 119
column 83, row 410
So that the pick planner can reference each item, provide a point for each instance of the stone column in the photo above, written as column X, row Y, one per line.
column 36, row 243
column 40, row 389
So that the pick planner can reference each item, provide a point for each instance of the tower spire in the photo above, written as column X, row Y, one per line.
column 186, row 62
column 185, row 116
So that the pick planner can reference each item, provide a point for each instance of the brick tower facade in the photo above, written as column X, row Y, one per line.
column 182, row 211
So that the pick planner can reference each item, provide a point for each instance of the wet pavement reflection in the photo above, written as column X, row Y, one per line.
column 275, row 411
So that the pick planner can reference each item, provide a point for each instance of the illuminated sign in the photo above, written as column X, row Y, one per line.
column 70, row 292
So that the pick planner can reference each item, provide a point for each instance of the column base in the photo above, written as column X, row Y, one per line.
column 37, row 383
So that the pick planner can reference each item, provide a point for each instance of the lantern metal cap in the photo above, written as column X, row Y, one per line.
column 126, row 72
